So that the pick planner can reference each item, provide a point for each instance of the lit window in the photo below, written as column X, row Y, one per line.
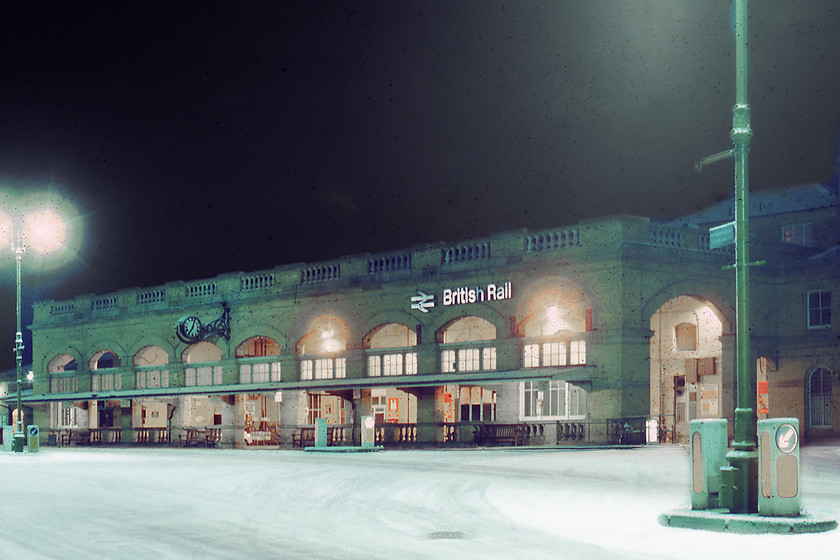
column 374, row 366
column 554, row 354
column 306, row 370
column 411, row 363
column 206, row 375
column 798, row 234
column 578, row 352
column 819, row 310
column 529, row 399
column 152, row 379
column 64, row 384
column 392, row 364
column 260, row 373
column 557, row 398
column 488, row 356
column 577, row 397
column 686, row 335
column 447, row 361
column 323, row 368
column 563, row 400
column 107, row 382
column 531, row 357
column 468, row 359
column 64, row 415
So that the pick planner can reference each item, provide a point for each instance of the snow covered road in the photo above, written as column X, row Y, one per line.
column 504, row 503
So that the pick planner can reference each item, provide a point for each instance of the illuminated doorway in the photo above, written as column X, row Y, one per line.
column 685, row 365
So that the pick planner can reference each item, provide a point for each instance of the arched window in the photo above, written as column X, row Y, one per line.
column 319, row 350
column 62, row 383
column 686, row 337
column 258, row 370
column 61, row 370
column 147, row 364
column 819, row 398
column 553, row 324
column 469, row 351
column 386, row 354
column 258, row 347
column 103, row 360
column 202, row 375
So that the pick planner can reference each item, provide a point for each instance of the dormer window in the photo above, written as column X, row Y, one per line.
column 798, row 234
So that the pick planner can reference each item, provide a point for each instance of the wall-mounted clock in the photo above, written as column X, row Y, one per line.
column 188, row 328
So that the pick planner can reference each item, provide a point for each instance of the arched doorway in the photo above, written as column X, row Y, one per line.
column 685, row 372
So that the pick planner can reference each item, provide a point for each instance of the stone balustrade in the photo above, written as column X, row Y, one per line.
column 495, row 252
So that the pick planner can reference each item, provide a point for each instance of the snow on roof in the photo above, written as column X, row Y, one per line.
column 767, row 203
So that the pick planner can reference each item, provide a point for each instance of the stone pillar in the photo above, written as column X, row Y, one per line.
column 126, row 424
column 427, row 416
column 621, row 382
column 239, row 421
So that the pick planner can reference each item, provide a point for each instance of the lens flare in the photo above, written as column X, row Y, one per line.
column 44, row 231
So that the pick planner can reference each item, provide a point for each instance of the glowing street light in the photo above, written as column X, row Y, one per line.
column 40, row 227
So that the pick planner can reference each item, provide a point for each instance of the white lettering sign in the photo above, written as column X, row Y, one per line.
column 463, row 295
column 492, row 292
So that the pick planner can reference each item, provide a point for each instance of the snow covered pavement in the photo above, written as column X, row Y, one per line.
column 441, row 504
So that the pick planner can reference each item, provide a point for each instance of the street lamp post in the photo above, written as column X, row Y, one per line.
column 45, row 231
column 19, row 435
column 743, row 457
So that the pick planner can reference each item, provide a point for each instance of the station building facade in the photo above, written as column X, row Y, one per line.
column 575, row 333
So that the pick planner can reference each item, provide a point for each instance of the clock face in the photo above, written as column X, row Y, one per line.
column 189, row 328
column 786, row 438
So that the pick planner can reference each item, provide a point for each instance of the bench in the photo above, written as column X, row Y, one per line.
column 79, row 437
column 494, row 434
column 192, row 436
column 212, row 437
column 305, row 437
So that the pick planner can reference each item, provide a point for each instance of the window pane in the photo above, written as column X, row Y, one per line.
column 306, row 370
column 447, row 361
column 244, row 374
column 411, row 363
column 392, row 364
column 374, row 366
column 531, row 356
column 489, row 358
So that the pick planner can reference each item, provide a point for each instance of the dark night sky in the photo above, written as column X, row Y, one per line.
column 198, row 138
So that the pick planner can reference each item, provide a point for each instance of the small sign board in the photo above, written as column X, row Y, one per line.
column 721, row 236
